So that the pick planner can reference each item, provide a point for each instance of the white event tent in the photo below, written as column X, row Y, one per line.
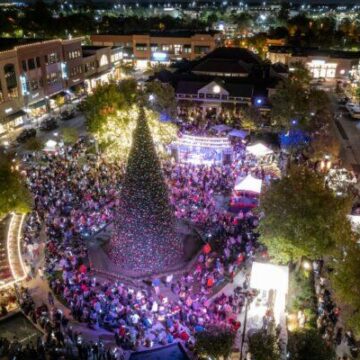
column 248, row 184
column 259, row 150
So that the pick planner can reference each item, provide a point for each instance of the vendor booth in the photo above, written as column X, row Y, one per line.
column 202, row 150
column 272, row 282
column 246, row 193
column 259, row 150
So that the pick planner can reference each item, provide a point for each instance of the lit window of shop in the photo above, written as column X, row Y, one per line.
column 141, row 47
column 33, row 85
column 74, row 54
column 165, row 48
column 51, row 58
column 53, row 78
column 187, row 49
column 104, row 60
column 76, row 70
column 11, row 81
column 177, row 49
column 154, row 47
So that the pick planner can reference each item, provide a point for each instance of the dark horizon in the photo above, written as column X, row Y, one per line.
column 250, row 2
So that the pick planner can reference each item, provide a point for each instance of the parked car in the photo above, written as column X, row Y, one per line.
column 25, row 135
column 49, row 124
column 343, row 100
column 68, row 115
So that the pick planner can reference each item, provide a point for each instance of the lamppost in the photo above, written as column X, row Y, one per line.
column 244, row 328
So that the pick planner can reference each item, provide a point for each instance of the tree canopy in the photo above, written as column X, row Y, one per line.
column 14, row 195
column 263, row 346
column 346, row 285
column 302, row 217
column 161, row 98
column 309, row 345
column 111, row 113
column 214, row 342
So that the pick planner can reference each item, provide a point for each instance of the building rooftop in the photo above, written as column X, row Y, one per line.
column 221, row 66
column 165, row 33
column 93, row 47
column 313, row 51
column 11, row 43
column 234, row 54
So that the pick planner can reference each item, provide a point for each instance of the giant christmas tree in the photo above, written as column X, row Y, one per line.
column 144, row 240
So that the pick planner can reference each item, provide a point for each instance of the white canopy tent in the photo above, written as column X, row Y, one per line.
column 238, row 133
column 259, row 150
column 266, row 277
column 50, row 145
column 248, row 184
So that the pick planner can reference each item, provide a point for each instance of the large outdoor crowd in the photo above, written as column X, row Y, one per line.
column 75, row 195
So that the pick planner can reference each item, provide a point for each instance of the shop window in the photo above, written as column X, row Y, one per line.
column 104, row 60
column 51, row 58
column 76, row 70
column 31, row 64
column 33, row 85
column 141, row 47
column 187, row 49
column 177, row 49
column 165, row 48
column 53, row 78
column 11, row 81
column 37, row 62
column 23, row 65
column 154, row 47
column 74, row 54
column 201, row 49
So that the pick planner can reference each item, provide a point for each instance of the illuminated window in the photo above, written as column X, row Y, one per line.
column 104, row 60
column 11, row 81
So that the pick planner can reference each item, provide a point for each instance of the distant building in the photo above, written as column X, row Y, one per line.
column 100, row 65
column 34, row 72
column 226, row 76
column 327, row 64
column 160, row 46
column 31, row 72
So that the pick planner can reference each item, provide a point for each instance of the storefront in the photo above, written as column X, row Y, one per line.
column 12, row 122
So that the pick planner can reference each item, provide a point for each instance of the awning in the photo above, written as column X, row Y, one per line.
column 38, row 104
column 248, row 184
column 221, row 128
column 238, row 133
column 14, row 116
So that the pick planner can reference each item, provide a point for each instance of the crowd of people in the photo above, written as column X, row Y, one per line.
column 76, row 194
column 328, row 313
column 56, row 338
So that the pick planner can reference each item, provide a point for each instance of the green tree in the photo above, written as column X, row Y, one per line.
column 309, row 345
column 14, row 195
column 303, row 218
column 161, row 98
column 357, row 94
column 33, row 144
column 145, row 223
column 263, row 346
column 346, row 285
column 129, row 90
column 214, row 342
column 70, row 135
column 105, row 101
